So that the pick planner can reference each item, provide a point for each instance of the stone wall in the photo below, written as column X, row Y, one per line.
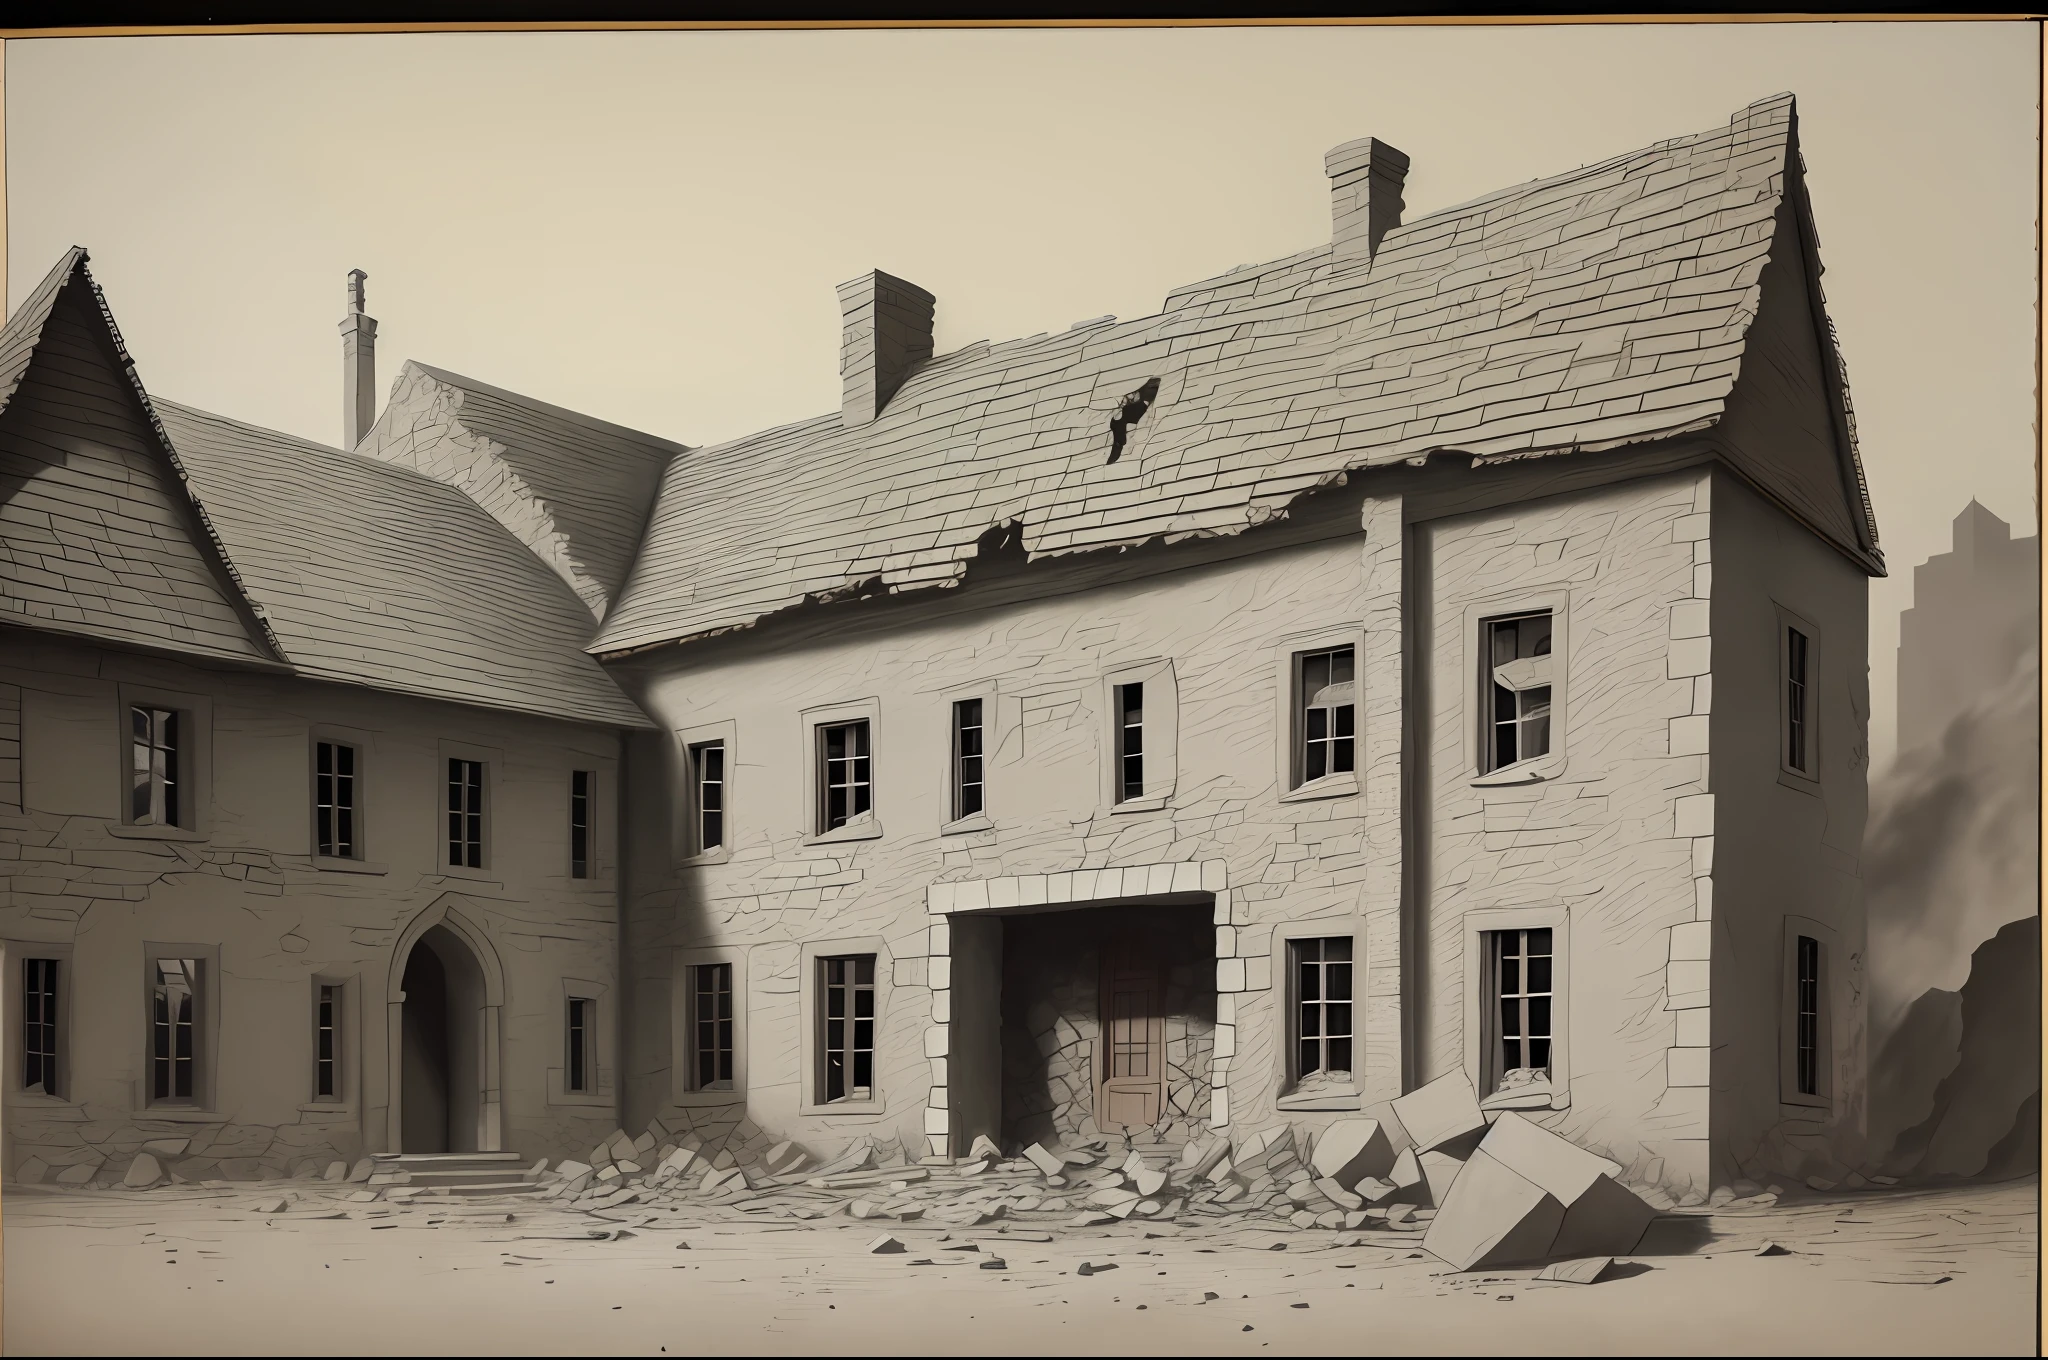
column 78, row 884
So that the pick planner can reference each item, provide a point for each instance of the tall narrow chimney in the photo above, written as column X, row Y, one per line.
column 1365, row 191
column 885, row 334
column 358, row 366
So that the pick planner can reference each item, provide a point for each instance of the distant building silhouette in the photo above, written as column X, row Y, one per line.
column 1976, row 609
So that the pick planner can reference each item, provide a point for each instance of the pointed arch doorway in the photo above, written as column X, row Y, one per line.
column 444, row 999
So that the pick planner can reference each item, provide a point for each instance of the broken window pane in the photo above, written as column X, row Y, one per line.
column 1519, row 683
column 707, row 765
column 154, row 791
column 1327, row 719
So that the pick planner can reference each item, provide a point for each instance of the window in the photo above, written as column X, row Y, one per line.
column 847, row 785
column 174, row 1032
column 968, row 747
column 1130, row 741
column 579, row 823
column 1517, row 688
column 465, row 813
column 711, row 1027
column 849, row 1027
column 580, row 1039
column 707, row 773
column 1519, row 1009
column 1798, row 752
column 1326, row 718
column 39, row 1036
column 334, row 799
column 155, row 788
column 1806, row 1003
column 1322, row 1006
column 327, row 1041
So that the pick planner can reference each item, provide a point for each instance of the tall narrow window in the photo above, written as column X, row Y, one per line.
column 334, row 798
column 327, row 1042
column 711, row 1022
column 1322, row 1005
column 579, row 824
column 707, row 772
column 174, row 1031
column 849, row 1018
column 1796, row 698
column 1807, row 1005
column 847, row 784
column 1130, row 742
column 582, row 1012
column 466, row 813
column 967, row 755
column 39, row 1025
column 1518, row 684
column 1520, row 982
column 1327, row 721
column 155, row 788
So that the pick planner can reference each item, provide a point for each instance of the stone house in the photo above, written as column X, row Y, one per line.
column 1240, row 714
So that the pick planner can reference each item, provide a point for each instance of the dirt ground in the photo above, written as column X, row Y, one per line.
column 188, row 1271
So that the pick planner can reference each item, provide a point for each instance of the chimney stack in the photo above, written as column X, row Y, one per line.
column 885, row 334
column 1365, row 191
column 358, row 366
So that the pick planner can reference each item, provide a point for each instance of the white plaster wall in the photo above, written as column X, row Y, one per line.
column 1783, row 847
column 250, row 887
column 1610, row 836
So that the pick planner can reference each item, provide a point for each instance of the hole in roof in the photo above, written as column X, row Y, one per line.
column 1129, row 412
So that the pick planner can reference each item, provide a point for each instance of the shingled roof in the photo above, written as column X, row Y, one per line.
column 136, row 520
column 576, row 490
column 1598, row 309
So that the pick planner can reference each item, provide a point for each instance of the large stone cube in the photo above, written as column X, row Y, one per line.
column 1602, row 1216
column 1441, row 1113
column 1493, row 1216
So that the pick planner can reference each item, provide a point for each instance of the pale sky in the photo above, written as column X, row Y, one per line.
column 648, row 227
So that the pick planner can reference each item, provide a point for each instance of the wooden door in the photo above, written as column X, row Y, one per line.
column 1130, row 1082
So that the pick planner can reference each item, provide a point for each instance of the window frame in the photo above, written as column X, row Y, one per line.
column 1481, row 1003
column 346, row 1048
column 815, row 721
column 599, row 1029
column 492, row 760
column 1296, row 1003
column 364, row 744
column 195, row 763
column 812, row 1017
column 1789, row 1094
column 1279, row 951
column 589, row 800
column 1288, row 656
column 1161, row 724
column 682, row 1041
column 1788, row 622
column 355, row 804
column 686, row 834
column 205, row 1026
column 18, row 953
column 1478, row 685
column 957, row 782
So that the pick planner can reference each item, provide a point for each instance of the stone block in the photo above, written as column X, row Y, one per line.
column 1493, row 1217
column 144, row 1172
column 1693, row 815
column 1351, row 1149
column 1338, row 1195
column 336, row 1171
column 1439, row 1171
column 78, row 1174
column 166, row 1147
column 1601, row 1216
column 1442, row 1112
column 1230, row 975
column 1687, row 1066
column 1377, row 1189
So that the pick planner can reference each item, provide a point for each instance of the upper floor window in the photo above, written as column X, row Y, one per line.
column 707, row 774
column 1130, row 741
column 465, row 813
column 579, row 823
column 1798, row 751
column 968, row 750
column 156, row 790
column 845, row 783
column 1326, row 714
column 1517, row 688
column 334, row 799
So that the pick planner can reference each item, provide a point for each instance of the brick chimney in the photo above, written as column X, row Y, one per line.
column 885, row 334
column 358, row 366
column 1365, row 192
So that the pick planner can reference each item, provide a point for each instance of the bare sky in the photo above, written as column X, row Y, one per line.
column 647, row 227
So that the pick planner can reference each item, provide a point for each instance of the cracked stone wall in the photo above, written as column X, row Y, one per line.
column 245, row 884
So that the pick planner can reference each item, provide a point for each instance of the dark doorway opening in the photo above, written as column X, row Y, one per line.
column 442, row 1042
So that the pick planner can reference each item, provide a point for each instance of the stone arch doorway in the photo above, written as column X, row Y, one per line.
column 445, row 997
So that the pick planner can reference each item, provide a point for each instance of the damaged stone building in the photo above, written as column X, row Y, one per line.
column 1243, row 714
